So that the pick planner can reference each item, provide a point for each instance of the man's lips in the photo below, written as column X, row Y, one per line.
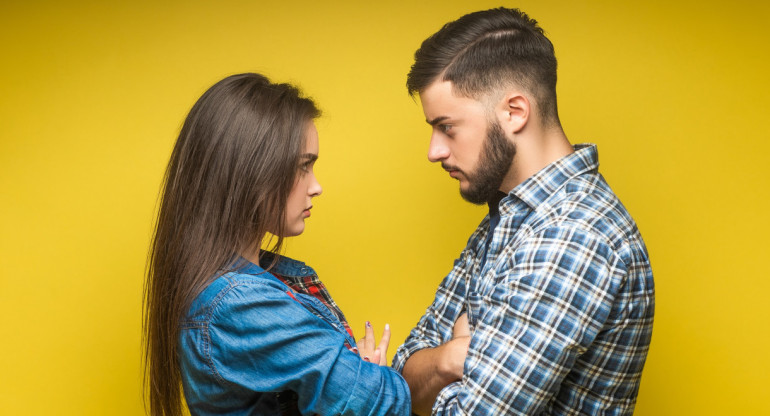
column 453, row 171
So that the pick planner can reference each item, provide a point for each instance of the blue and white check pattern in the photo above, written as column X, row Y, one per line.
column 561, row 313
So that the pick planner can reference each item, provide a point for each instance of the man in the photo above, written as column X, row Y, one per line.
column 549, row 308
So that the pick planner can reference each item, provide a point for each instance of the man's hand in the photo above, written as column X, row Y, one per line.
column 430, row 370
column 461, row 328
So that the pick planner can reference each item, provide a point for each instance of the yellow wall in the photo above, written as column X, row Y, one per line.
column 92, row 96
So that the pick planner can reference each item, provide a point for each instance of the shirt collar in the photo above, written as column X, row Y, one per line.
column 538, row 187
column 494, row 204
column 284, row 266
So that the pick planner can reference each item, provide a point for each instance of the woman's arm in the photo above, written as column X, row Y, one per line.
column 263, row 340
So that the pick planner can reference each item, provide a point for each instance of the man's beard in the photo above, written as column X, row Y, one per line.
column 495, row 161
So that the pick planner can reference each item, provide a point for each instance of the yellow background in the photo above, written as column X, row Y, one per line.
column 93, row 95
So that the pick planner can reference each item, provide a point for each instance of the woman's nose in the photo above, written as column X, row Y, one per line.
column 315, row 188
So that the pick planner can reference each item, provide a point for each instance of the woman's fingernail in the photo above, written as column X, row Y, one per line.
column 387, row 326
column 366, row 358
column 368, row 324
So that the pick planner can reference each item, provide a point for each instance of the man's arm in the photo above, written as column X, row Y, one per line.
column 439, row 358
column 429, row 370
column 436, row 324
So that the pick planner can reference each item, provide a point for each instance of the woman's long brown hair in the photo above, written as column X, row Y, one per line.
column 224, row 190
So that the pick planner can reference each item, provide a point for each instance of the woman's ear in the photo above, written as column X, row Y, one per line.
column 513, row 112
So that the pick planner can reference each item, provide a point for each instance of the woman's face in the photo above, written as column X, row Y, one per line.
column 306, row 187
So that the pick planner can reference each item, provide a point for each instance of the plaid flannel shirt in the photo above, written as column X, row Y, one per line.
column 560, row 313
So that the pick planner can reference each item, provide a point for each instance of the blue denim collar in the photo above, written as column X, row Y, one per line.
column 284, row 266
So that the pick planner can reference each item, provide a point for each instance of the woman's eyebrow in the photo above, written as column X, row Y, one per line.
column 311, row 157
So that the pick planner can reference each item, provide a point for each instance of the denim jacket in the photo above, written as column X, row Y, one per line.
column 249, row 341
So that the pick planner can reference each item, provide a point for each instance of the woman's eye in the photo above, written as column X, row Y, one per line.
column 445, row 127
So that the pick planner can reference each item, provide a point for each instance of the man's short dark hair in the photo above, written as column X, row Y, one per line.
column 486, row 51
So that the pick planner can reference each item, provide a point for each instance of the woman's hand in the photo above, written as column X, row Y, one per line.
column 368, row 348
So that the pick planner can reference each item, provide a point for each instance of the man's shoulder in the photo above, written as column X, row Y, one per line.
column 587, row 203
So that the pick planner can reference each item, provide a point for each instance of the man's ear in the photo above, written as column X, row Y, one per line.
column 513, row 112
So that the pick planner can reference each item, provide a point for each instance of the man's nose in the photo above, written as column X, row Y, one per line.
column 438, row 149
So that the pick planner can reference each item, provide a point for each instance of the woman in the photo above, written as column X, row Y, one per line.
column 242, row 329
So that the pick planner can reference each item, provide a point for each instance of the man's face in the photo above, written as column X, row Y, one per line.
column 472, row 149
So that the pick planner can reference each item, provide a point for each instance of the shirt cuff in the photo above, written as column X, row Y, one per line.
column 444, row 399
column 377, row 391
column 405, row 351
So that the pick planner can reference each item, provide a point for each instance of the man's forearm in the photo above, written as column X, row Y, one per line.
column 429, row 370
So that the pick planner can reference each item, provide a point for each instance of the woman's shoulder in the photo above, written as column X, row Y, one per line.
column 232, row 286
column 255, row 282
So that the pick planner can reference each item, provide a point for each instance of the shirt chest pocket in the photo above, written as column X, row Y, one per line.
column 478, row 290
column 474, row 307
column 485, row 304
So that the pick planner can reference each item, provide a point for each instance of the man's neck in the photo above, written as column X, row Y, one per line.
column 535, row 153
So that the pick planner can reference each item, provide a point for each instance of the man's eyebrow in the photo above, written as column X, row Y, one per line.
column 311, row 157
column 436, row 120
